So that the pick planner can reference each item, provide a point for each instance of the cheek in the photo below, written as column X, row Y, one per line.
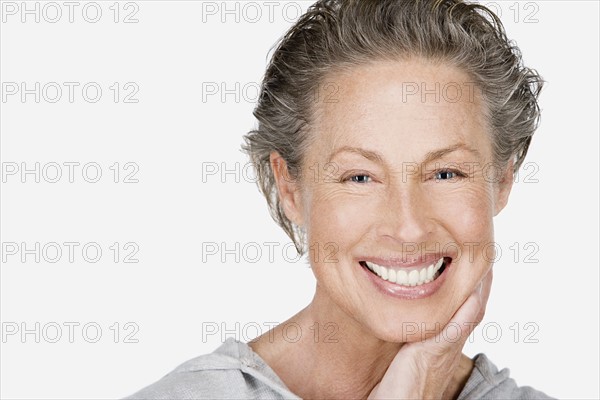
column 336, row 215
column 336, row 224
column 468, row 213
column 471, row 227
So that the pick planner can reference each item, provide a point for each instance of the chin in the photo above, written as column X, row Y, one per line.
column 406, row 327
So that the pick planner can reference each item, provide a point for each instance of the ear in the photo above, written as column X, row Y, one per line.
column 503, row 188
column 288, row 189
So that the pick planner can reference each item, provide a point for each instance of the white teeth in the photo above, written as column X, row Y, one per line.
column 384, row 273
column 392, row 275
column 402, row 277
column 413, row 277
column 407, row 277
column 439, row 263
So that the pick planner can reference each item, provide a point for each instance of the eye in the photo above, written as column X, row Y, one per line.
column 358, row 178
column 447, row 174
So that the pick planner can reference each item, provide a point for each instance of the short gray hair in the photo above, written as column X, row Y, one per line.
column 345, row 33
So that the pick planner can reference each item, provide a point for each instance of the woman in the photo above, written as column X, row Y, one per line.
column 389, row 133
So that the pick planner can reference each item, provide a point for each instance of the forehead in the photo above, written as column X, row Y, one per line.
column 409, row 104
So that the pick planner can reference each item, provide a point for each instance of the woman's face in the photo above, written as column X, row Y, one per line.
column 399, row 175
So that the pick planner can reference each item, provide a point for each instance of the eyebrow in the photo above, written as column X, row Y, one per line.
column 434, row 155
column 429, row 157
column 368, row 154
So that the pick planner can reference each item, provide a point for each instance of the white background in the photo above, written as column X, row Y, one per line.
column 173, row 54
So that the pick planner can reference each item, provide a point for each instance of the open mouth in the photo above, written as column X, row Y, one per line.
column 409, row 276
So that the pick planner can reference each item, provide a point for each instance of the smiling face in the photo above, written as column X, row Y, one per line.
column 394, row 183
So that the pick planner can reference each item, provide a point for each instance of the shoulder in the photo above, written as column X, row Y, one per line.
column 489, row 383
column 231, row 371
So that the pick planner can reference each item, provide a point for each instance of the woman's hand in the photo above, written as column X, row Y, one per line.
column 424, row 370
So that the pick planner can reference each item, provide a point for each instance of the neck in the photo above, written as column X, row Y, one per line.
column 334, row 357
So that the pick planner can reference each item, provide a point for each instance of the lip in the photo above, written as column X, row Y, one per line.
column 408, row 292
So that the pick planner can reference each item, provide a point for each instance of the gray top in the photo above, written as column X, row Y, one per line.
column 234, row 371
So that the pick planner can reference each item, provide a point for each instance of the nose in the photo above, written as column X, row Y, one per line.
column 406, row 215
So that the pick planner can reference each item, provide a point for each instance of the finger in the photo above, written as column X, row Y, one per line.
column 470, row 313
column 487, row 285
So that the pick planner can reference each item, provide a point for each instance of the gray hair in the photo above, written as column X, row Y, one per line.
column 344, row 33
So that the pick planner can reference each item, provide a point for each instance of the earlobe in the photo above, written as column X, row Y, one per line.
column 503, row 188
column 288, row 189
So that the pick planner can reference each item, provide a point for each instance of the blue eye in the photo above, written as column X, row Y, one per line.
column 447, row 175
column 360, row 178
